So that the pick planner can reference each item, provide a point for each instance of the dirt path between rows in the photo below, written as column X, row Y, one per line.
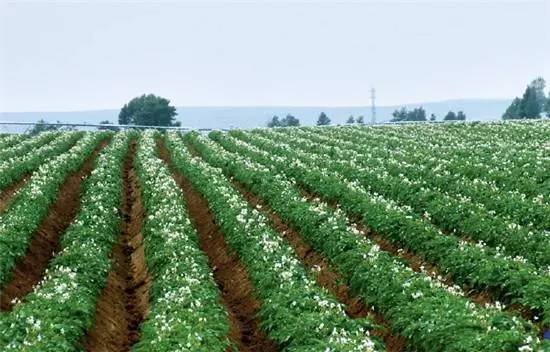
column 124, row 301
column 229, row 273
column 325, row 276
column 45, row 241
column 7, row 195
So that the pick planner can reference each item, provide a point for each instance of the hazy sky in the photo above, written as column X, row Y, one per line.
column 99, row 54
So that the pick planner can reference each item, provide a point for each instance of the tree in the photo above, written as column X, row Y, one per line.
column 350, row 120
column 538, row 85
column 323, row 120
column 450, row 116
column 360, row 120
column 432, row 117
column 290, row 120
column 274, row 122
column 461, row 116
column 547, row 107
column 400, row 115
column 513, row 111
column 148, row 110
column 530, row 107
column 418, row 114
column 531, row 104
column 42, row 126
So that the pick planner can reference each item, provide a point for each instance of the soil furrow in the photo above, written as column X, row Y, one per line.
column 229, row 272
column 7, row 195
column 45, row 241
column 331, row 280
column 124, row 301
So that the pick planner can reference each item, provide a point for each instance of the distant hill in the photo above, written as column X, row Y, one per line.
column 257, row 116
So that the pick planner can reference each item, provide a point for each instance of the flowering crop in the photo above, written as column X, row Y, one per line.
column 405, row 297
column 294, row 311
column 56, row 315
column 31, row 203
column 186, row 313
column 13, row 169
column 473, row 264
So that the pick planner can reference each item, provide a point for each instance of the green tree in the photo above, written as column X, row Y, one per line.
column 148, row 110
column 42, row 126
column 513, row 111
column 275, row 122
column 450, row 116
column 323, row 120
column 433, row 117
column 538, row 85
column 530, row 107
column 547, row 107
column 290, row 120
column 461, row 116
column 418, row 114
column 360, row 120
column 350, row 120
column 400, row 115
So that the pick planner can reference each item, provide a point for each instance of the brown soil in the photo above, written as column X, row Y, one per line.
column 325, row 276
column 229, row 273
column 45, row 241
column 7, row 195
column 124, row 301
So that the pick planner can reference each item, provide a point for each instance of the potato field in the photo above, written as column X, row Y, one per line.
column 420, row 237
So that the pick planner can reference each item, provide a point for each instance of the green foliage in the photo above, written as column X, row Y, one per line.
column 417, row 114
column 360, row 120
column 148, row 110
column 430, row 316
column 452, row 116
column 323, row 120
column 532, row 103
column 433, row 117
column 350, row 120
column 42, row 126
column 288, row 121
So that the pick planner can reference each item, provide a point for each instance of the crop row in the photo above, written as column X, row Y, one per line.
column 294, row 311
column 9, row 140
column 432, row 315
column 431, row 169
column 475, row 265
column 186, row 313
column 14, row 169
column 55, row 316
column 452, row 214
column 31, row 204
column 27, row 146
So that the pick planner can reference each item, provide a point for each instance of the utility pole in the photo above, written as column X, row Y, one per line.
column 373, row 105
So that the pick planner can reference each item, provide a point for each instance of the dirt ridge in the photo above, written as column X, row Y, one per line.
column 229, row 272
column 326, row 277
column 124, row 301
column 44, row 244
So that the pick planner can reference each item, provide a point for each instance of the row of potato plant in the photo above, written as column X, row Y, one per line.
column 186, row 312
column 452, row 214
column 26, row 146
column 430, row 168
column 14, row 169
column 475, row 265
column 9, row 140
column 19, row 222
column 56, row 315
column 515, row 161
column 430, row 314
column 295, row 312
